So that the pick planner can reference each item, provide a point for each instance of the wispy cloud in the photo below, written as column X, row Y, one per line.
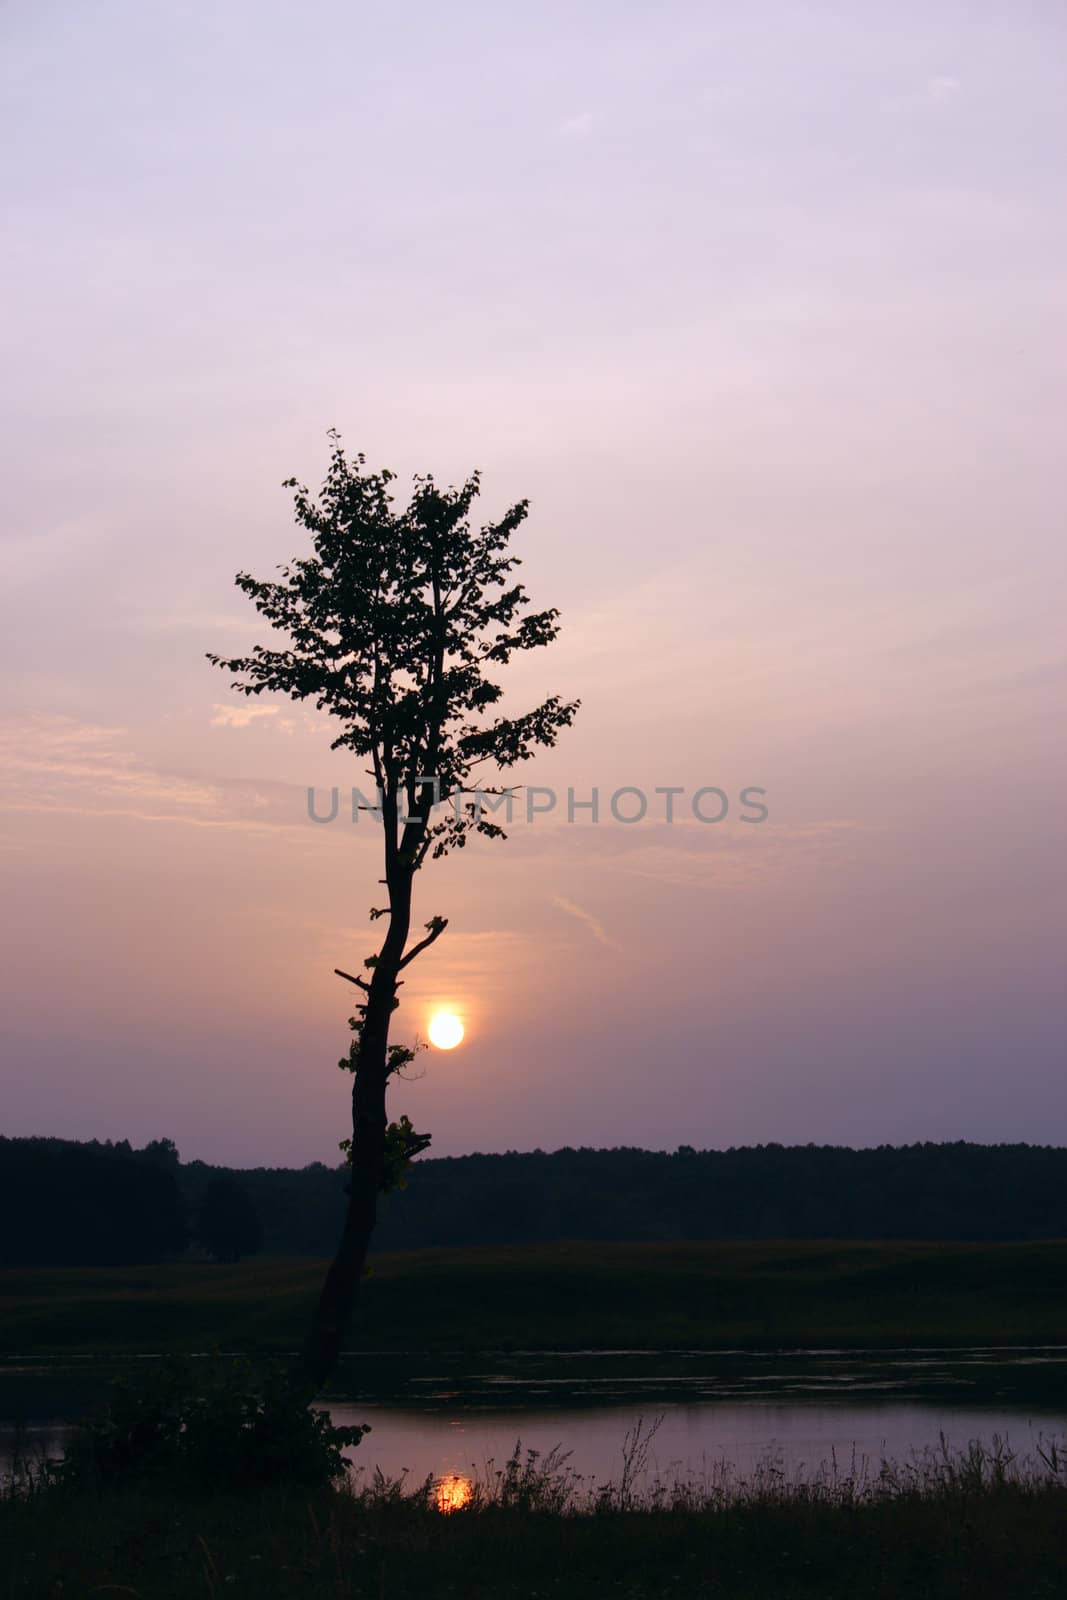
column 27, row 558
column 61, row 766
column 469, row 970
column 942, row 89
column 222, row 624
column 240, row 716
column 577, row 127
column 760, row 860
column 594, row 924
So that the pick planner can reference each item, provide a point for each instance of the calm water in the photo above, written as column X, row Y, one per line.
column 434, row 1415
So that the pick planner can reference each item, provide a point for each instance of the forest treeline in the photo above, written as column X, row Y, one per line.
column 87, row 1204
column 107, row 1203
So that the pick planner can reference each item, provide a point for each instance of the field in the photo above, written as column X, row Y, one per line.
column 974, row 1533
column 567, row 1296
column 964, row 1537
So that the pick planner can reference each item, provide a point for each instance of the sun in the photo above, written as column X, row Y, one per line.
column 453, row 1493
column 446, row 1030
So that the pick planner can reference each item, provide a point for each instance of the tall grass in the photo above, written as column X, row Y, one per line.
column 545, row 1484
column 980, row 1523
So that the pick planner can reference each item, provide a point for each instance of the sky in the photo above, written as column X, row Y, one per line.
column 763, row 309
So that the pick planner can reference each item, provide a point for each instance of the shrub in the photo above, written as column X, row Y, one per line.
column 212, row 1423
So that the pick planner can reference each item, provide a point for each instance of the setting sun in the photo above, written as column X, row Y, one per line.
column 453, row 1493
column 446, row 1030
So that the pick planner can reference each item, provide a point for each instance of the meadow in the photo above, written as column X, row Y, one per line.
column 563, row 1297
column 973, row 1526
column 976, row 1526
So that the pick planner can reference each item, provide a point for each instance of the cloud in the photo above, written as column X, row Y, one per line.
column 766, row 857
column 469, row 970
column 27, row 558
column 577, row 127
column 943, row 89
column 176, row 620
column 52, row 759
column 1025, row 680
column 241, row 716
column 57, row 765
column 594, row 924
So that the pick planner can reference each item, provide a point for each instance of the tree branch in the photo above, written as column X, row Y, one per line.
column 357, row 981
column 437, row 928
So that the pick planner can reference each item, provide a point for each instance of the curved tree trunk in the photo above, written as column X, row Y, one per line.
column 333, row 1313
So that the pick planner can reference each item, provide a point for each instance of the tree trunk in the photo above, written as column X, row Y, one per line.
column 333, row 1314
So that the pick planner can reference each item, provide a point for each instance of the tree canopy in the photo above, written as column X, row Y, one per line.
column 397, row 624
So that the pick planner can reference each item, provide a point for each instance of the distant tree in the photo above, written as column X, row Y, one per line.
column 85, row 1205
column 393, row 623
column 161, row 1153
column 227, row 1224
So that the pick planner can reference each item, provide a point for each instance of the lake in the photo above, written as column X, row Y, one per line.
column 452, row 1417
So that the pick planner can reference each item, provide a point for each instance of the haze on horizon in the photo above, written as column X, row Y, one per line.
column 764, row 311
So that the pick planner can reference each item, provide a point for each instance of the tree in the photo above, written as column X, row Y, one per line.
column 227, row 1224
column 85, row 1204
column 395, row 623
column 161, row 1153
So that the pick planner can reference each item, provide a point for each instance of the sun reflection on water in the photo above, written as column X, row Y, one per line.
column 453, row 1492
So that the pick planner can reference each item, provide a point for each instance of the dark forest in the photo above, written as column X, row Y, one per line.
column 106, row 1203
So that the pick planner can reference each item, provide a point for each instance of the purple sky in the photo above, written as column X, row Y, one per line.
column 763, row 307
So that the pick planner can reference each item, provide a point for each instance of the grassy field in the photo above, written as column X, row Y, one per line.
column 979, row 1543
column 565, row 1296
column 962, row 1536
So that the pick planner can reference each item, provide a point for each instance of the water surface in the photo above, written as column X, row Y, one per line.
column 441, row 1416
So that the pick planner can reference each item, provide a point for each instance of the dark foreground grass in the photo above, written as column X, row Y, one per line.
column 564, row 1296
column 953, row 1534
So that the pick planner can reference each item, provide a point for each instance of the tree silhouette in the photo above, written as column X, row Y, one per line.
column 227, row 1224
column 161, row 1153
column 86, row 1204
column 394, row 624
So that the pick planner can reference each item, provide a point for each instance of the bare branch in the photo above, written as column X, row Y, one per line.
column 481, row 789
column 437, row 928
column 357, row 981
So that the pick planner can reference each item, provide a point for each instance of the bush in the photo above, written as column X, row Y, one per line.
column 214, row 1423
